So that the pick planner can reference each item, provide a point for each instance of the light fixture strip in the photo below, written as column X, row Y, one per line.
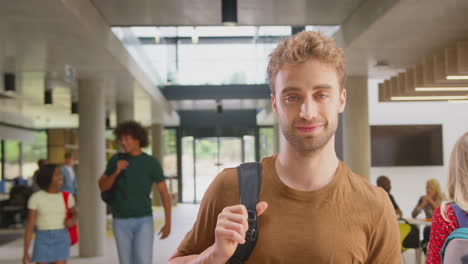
column 457, row 77
column 440, row 89
column 428, row 98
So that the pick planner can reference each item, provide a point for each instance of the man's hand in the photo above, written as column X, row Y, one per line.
column 231, row 228
column 122, row 165
column 165, row 231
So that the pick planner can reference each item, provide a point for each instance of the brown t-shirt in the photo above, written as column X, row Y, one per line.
column 347, row 221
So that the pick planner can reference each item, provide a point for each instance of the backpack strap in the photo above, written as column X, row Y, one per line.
column 65, row 199
column 462, row 216
column 250, row 181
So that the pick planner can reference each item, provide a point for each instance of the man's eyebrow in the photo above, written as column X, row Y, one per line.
column 290, row 89
column 295, row 89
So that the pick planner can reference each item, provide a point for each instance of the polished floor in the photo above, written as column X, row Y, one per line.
column 183, row 218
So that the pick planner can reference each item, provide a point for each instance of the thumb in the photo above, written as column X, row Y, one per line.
column 261, row 208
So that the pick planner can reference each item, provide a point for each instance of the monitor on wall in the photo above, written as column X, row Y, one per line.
column 406, row 145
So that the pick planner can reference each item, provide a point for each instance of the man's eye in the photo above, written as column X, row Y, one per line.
column 322, row 96
column 292, row 98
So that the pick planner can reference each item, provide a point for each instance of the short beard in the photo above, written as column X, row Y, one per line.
column 310, row 144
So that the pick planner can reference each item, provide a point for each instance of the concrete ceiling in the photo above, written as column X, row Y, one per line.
column 37, row 37
column 43, row 37
column 402, row 36
column 208, row 12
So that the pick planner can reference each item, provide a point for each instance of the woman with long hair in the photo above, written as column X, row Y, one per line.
column 47, row 212
column 445, row 220
column 430, row 201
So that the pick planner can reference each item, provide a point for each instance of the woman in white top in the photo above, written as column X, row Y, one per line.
column 47, row 212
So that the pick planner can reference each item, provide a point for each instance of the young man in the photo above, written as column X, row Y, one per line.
column 313, row 208
column 385, row 183
column 134, row 173
column 70, row 184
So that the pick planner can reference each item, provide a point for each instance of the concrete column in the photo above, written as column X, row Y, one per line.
column 157, row 147
column 157, row 140
column 277, row 137
column 125, row 111
column 356, row 130
column 125, row 100
column 92, row 221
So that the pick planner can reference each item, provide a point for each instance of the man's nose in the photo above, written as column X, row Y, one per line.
column 308, row 110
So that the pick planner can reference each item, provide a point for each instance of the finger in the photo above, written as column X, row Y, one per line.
column 239, row 209
column 236, row 218
column 239, row 228
column 261, row 208
column 230, row 235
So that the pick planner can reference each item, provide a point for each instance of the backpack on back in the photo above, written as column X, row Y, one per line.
column 108, row 196
column 250, row 180
column 455, row 250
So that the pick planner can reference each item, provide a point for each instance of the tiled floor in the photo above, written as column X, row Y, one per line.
column 183, row 218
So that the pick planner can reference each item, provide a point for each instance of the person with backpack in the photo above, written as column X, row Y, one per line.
column 126, row 185
column 311, row 208
column 452, row 216
column 47, row 212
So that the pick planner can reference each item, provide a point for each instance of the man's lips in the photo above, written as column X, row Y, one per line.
column 309, row 128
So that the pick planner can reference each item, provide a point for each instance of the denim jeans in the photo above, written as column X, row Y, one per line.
column 134, row 238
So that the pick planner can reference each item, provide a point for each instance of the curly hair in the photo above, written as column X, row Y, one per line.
column 133, row 129
column 44, row 176
column 302, row 46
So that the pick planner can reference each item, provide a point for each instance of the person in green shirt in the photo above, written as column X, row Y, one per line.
column 133, row 174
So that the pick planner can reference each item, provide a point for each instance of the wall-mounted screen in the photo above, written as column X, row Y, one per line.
column 406, row 145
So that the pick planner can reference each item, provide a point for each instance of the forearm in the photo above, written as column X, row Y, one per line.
column 28, row 237
column 106, row 181
column 167, row 206
column 206, row 257
column 416, row 212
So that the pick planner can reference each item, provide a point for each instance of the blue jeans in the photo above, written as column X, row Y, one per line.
column 134, row 238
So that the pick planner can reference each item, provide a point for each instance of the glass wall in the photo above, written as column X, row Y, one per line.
column 169, row 161
column 32, row 152
column 12, row 159
column 267, row 141
column 19, row 159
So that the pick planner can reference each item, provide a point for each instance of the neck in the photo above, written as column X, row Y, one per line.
column 53, row 189
column 307, row 171
column 135, row 152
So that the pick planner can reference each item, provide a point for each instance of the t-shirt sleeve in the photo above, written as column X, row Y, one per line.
column 33, row 201
column 111, row 165
column 440, row 230
column 385, row 238
column 202, row 234
column 158, row 174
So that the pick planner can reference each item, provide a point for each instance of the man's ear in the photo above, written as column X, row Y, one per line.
column 273, row 103
column 342, row 101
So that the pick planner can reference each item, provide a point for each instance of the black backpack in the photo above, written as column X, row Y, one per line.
column 250, row 181
column 412, row 238
column 108, row 196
